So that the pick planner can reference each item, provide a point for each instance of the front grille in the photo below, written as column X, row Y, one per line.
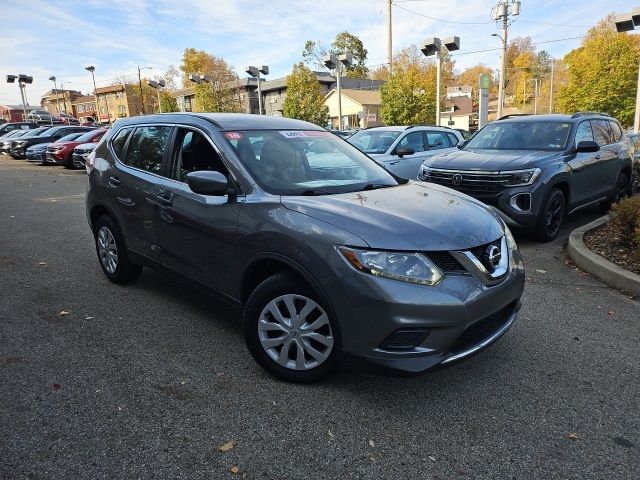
column 472, row 183
column 480, row 331
column 445, row 262
column 480, row 252
column 405, row 339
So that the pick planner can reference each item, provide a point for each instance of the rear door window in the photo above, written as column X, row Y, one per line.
column 617, row 131
column 413, row 140
column 147, row 148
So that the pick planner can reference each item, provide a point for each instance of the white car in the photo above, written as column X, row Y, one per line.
column 401, row 150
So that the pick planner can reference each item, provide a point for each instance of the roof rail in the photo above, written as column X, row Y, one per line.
column 504, row 117
column 582, row 114
column 427, row 125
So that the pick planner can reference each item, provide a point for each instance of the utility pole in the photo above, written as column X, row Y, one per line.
column 141, row 89
column 551, row 87
column 535, row 97
column 64, row 96
column 389, row 37
column 502, row 11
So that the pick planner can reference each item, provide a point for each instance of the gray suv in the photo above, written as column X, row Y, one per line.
column 325, row 251
column 535, row 169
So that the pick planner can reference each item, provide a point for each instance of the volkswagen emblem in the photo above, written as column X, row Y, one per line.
column 493, row 256
column 456, row 179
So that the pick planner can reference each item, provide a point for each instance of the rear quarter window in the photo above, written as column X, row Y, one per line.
column 119, row 141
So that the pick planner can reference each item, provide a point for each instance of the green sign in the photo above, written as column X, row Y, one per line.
column 484, row 81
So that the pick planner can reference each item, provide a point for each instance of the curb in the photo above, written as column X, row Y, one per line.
column 597, row 265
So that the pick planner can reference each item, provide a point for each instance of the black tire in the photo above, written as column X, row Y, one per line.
column 620, row 191
column 551, row 217
column 269, row 290
column 125, row 271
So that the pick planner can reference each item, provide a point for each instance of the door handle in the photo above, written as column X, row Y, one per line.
column 597, row 157
column 114, row 181
column 393, row 163
column 165, row 200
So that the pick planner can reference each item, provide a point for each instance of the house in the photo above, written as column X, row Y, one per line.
column 185, row 98
column 245, row 88
column 12, row 113
column 458, row 113
column 85, row 107
column 59, row 100
column 460, row 91
column 360, row 108
column 121, row 100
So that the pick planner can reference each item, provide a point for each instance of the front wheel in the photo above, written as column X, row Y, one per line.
column 289, row 332
column 551, row 216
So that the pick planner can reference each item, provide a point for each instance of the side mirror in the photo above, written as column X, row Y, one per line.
column 208, row 182
column 401, row 152
column 587, row 146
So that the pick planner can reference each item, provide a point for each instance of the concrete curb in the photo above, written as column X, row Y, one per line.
column 597, row 265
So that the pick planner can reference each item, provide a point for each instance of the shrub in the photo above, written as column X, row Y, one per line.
column 625, row 222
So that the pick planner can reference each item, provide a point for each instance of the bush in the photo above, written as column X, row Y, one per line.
column 625, row 222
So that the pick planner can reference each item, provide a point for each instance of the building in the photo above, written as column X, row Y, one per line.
column 460, row 91
column 360, row 108
column 245, row 88
column 122, row 100
column 12, row 113
column 85, row 107
column 458, row 113
column 59, row 100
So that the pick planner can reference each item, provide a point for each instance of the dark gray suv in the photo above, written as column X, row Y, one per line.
column 535, row 169
column 326, row 252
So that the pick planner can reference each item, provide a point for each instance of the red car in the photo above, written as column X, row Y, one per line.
column 60, row 152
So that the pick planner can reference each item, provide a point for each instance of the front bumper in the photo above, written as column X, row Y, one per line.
column 36, row 156
column 460, row 316
column 53, row 158
column 17, row 152
column 77, row 160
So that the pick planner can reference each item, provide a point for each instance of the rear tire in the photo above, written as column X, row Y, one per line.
column 551, row 216
column 289, row 332
column 112, row 252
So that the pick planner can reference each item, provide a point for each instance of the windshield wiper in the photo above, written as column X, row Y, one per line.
column 314, row 191
column 374, row 186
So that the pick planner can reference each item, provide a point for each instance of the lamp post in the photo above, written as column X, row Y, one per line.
column 625, row 23
column 22, row 81
column 157, row 85
column 255, row 73
column 140, row 83
column 433, row 46
column 92, row 69
column 501, row 13
column 336, row 62
column 64, row 96
column 55, row 86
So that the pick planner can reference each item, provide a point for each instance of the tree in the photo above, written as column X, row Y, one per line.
column 344, row 42
column 305, row 100
column 602, row 73
column 218, row 95
column 471, row 76
column 168, row 102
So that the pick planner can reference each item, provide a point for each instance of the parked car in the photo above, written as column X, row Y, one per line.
column 81, row 153
column 341, row 133
column 25, row 134
column 535, row 169
column 405, row 275
column 8, row 127
column 61, row 151
column 5, row 140
column 401, row 150
column 19, row 147
column 38, row 152
column 68, row 119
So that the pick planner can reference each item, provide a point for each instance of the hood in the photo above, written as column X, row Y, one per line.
column 86, row 146
column 415, row 216
column 39, row 146
column 489, row 160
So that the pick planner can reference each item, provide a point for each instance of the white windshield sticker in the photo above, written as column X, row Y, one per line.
column 303, row 133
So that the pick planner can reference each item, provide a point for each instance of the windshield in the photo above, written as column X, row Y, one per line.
column 87, row 137
column 521, row 136
column 373, row 141
column 35, row 132
column 298, row 162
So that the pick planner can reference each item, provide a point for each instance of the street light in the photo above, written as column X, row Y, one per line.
column 140, row 82
column 55, row 86
column 625, row 23
column 501, row 13
column 22, row 81
column 157, row 85
column 92, row 69
column 433, row 46
column 336, row 62
column 255, row 73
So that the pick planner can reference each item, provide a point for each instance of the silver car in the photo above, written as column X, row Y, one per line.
column 326, row 253
column 401, row 150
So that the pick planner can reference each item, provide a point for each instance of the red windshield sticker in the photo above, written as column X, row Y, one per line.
column 233, row 135
column 304, row 133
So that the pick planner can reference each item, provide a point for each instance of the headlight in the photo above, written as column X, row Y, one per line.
column 508, row 236
column 21, row 143
column 521, row 177
column 405, row 267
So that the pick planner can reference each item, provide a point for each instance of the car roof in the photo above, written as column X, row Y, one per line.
column 228, row 121
column 556, row 117
column 399, row 128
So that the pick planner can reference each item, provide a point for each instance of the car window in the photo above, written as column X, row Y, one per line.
column 193, row 153
column 413, row 140
column 616, row 131
column 452, row 139
column 602, row 132
column 119, row 140
column 521, row 135
column 437, row 140
column 584, row 132
column 373, row 141
column 147, row 147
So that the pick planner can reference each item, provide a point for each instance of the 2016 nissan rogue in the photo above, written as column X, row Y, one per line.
column 326, row 251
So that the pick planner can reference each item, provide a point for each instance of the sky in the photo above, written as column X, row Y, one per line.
column 42, row 38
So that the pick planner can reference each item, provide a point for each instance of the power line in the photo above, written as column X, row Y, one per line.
column 438, row 19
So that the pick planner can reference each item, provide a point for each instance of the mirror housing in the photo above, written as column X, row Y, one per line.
column 587, row 146
column 209, row 182
column 401, row 152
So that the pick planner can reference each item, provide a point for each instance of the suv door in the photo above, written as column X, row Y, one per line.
column 408, row 165
column 583, row 166
column 133, row 180
column 607, row 159
column 196, row 233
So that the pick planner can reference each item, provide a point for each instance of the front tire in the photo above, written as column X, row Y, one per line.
column 551, row 216
column 289, row 332
column 112, row 252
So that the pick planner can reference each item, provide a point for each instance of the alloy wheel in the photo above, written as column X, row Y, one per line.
column 107, row 249
column 554, row 214
column 295, row 332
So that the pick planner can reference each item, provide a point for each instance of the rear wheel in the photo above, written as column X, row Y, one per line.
column 112, row 252
column 620, row 191
column 551, row 216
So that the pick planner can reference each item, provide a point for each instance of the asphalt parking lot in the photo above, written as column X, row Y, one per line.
column 149, row 380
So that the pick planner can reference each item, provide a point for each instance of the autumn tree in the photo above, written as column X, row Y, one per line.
column 305, row 100
column 345, row 42
column 602, row 73
column 218, row 94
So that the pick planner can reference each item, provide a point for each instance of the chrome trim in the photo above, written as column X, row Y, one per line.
column 514, row 205
column 587, row 205
column 474, row 266
column 485, row 343
column 479, row 172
